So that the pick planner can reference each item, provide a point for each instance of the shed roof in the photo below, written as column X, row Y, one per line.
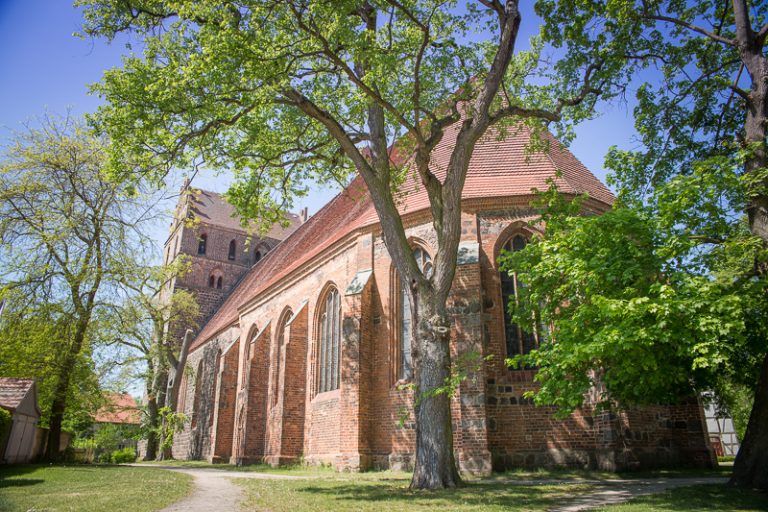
column 13, row 391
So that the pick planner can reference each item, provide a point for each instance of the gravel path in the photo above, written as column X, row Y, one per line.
column 214, row 490
column 611, row 492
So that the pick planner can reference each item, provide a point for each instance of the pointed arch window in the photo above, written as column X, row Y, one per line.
column 329, row 343
column 256, row 257
column 202, row 244
column 280, row 340
column 216, row 370
column 232, row 250
column 218, row 283
column 211, row 281
column 405, row 331
column 518, row 341
column 198, row 392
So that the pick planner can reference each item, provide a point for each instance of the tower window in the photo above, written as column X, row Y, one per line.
column 218, row 283
column 257, row 257
column 202, row 244
column 211, row 281
column 232, row 250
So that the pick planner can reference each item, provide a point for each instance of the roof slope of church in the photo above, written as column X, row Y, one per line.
column 213, row 209
column 499, row 167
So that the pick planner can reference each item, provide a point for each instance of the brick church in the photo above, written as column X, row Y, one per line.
column 307, row 341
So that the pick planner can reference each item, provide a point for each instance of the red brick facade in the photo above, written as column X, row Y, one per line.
column 260, row 355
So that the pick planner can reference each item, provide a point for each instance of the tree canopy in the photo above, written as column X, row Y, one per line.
column 689, row 255
column 65, row 229
column 284, row 92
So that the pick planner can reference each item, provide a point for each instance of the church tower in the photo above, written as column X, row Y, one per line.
column 205, row 230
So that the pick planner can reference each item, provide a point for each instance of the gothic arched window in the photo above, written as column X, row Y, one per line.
column 518, row 341
column 218, row 283
column 211, row 281
column 232, row 250
column 256, row 257
column 405, row 331
column 202, row 244
column 216, row 368
column 280, row 341
column 329, row 342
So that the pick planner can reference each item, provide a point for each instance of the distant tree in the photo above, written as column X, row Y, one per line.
column 149, row 323
column 65, row 229
column 285, row 92
column 33, row 344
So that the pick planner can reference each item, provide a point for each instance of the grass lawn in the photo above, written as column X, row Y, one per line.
column 582, row 474
column 297, row 470
column 389, row 492
column 699, row 497
column 89, row 488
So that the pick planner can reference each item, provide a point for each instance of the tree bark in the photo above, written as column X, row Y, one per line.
column 172, row 389
column 152, row 440
column 435, row 466
column 174, row 383
column 750, row 468
column 59, row 405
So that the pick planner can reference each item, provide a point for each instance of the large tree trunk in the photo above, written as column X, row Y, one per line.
column 173, row 386
column 59, row 405
column 156, row 386
column 58, row 408
column 153, row 423
column 751, row 466
column 174, row 383
column 435, row 467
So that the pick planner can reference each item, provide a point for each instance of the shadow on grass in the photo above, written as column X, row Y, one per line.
column 470, row 495
column 16, row 470
column 20, row 482
column 579, row 474
column 696, row 498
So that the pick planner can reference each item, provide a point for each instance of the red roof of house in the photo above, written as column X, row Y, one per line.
column 499, row 167
column 212, row 208
column 120, row 408
column 13, row 391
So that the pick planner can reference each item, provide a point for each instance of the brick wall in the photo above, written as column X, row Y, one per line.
column 224, row 411
column 367, row 422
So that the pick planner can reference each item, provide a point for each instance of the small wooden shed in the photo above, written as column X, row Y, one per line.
column 19, row 397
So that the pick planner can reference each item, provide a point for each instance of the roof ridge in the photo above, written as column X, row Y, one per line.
column 258, row 266
column 500, row 167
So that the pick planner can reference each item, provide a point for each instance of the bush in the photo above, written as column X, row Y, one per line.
column 6, row 420
column 5, row 423
column 84, row 443
column 123, row 456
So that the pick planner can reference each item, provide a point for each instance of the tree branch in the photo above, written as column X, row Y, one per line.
column 692, row 27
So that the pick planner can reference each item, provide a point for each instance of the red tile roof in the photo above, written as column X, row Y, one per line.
column 499, row 167
column 13, row 391
column 120, row 408
column 212, row 208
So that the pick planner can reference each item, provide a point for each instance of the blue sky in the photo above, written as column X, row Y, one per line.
column 44, row 67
